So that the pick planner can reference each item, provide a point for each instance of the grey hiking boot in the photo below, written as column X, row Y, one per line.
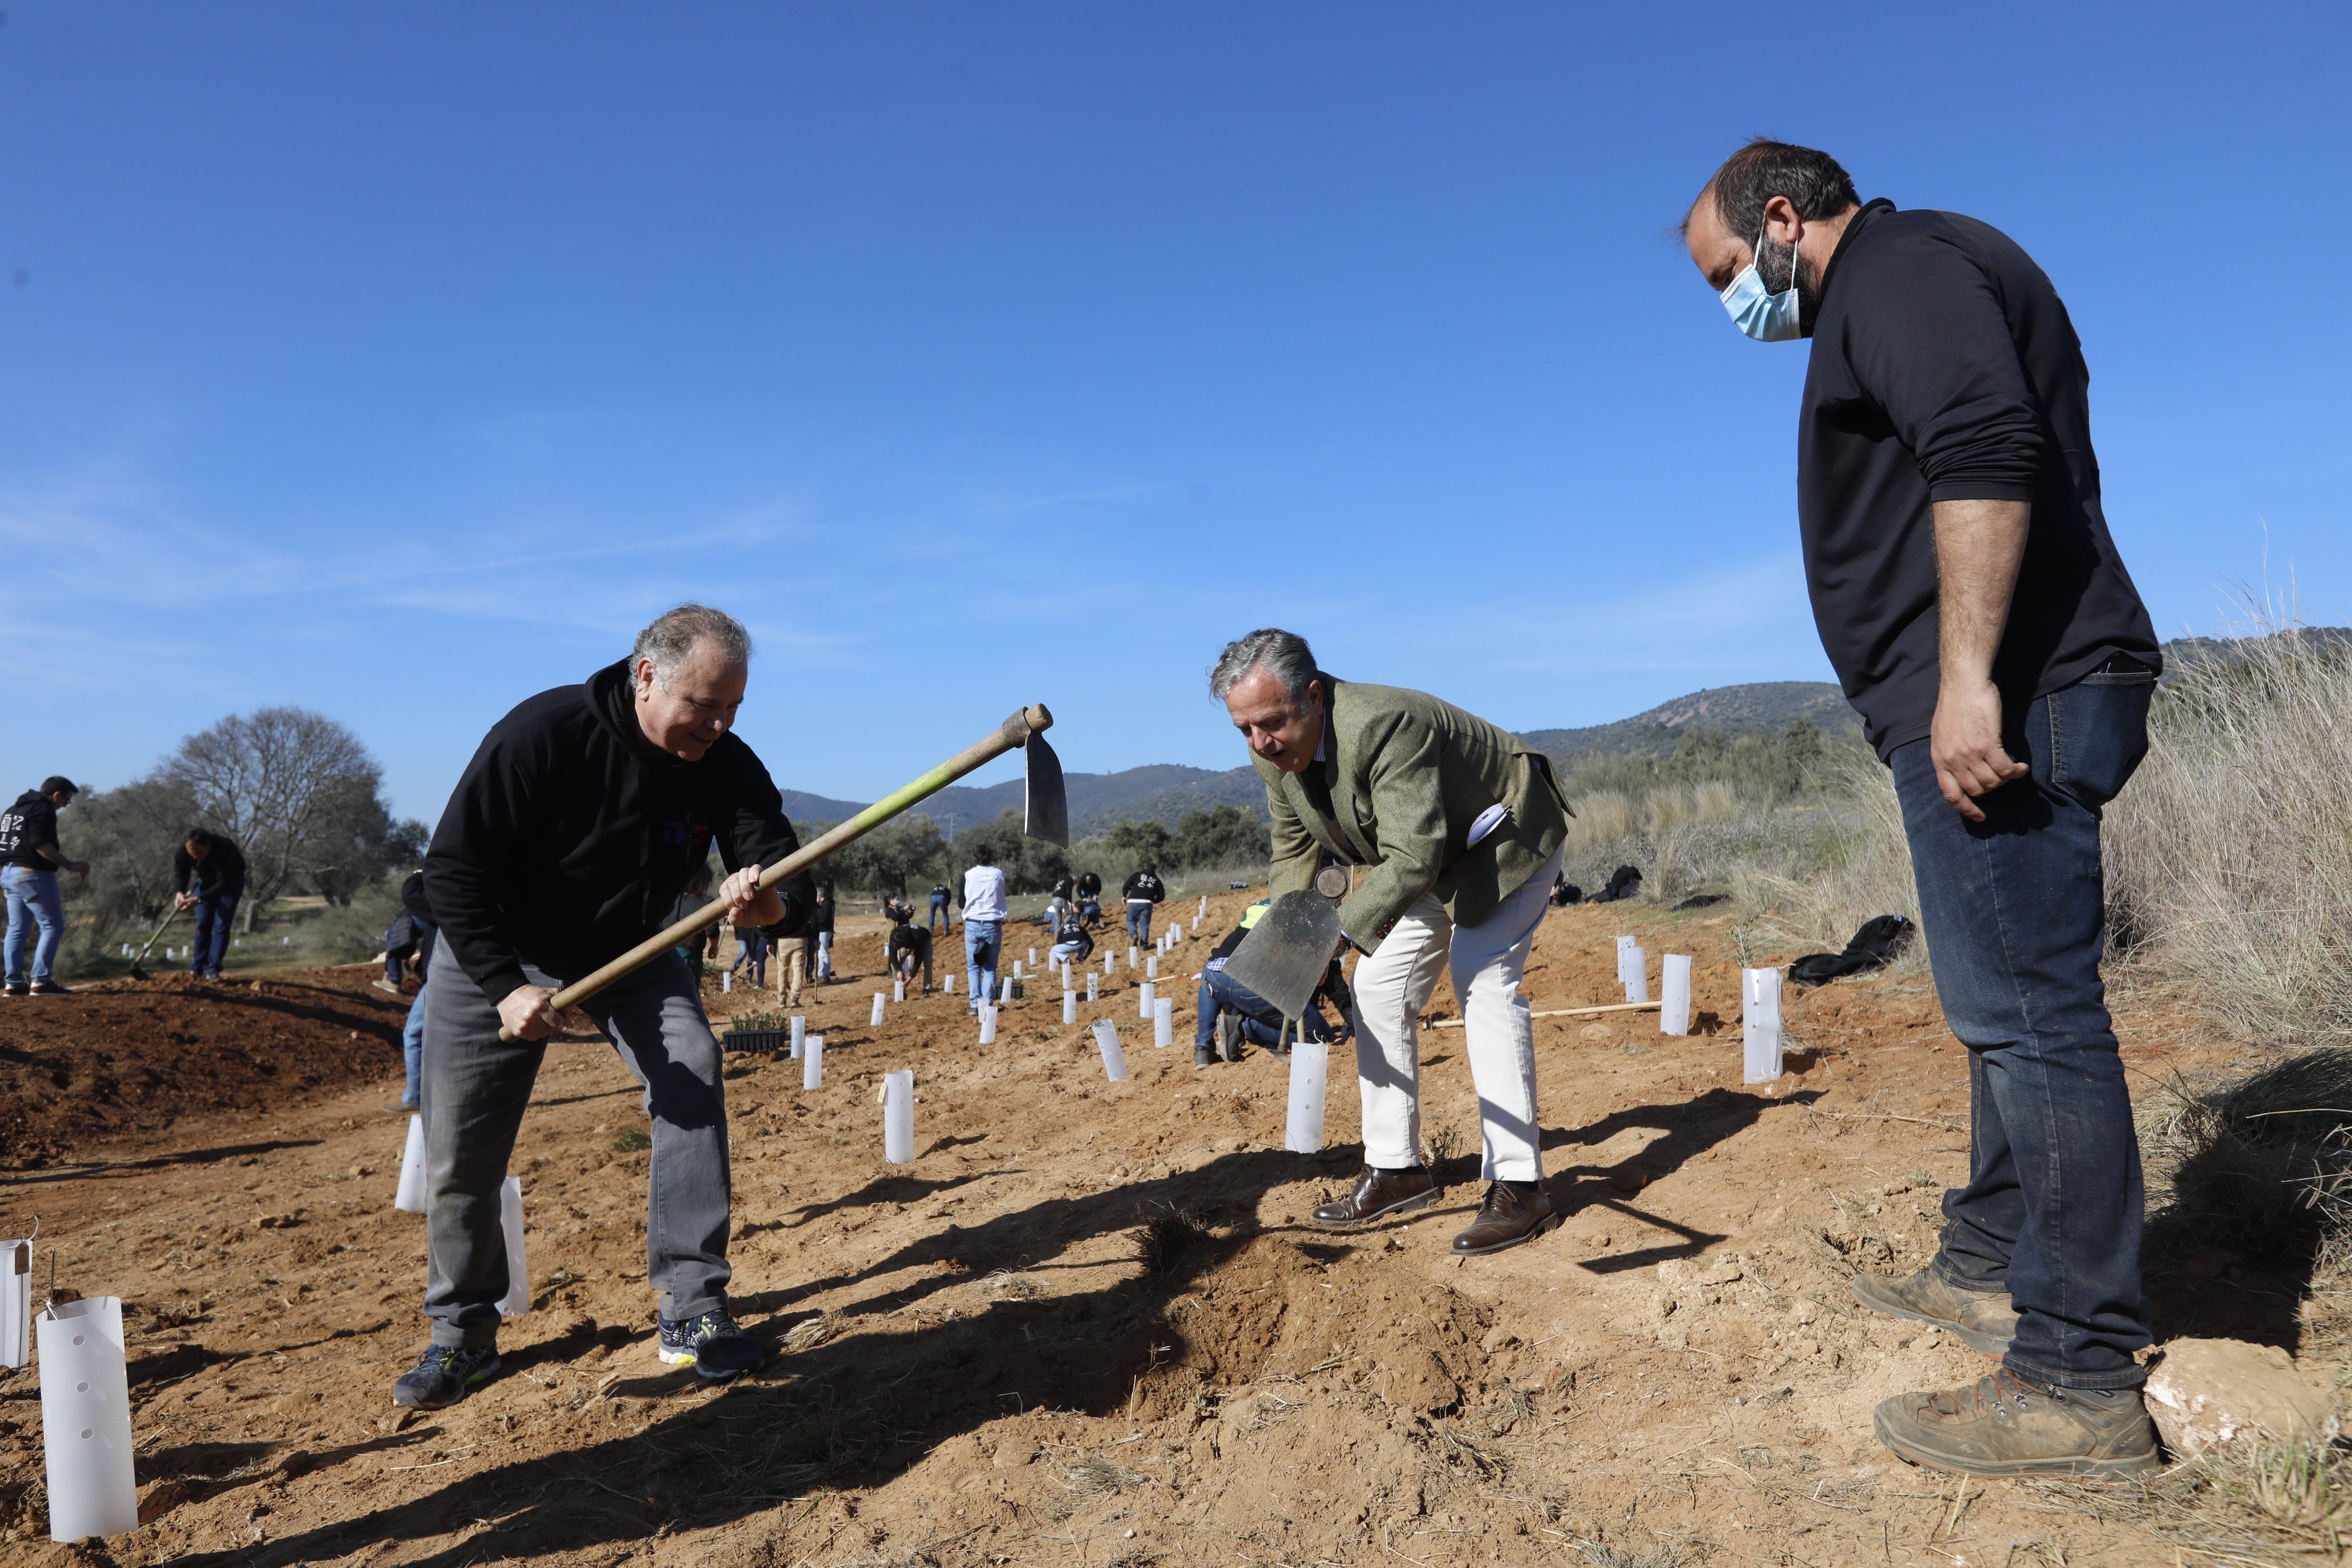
column 1983, row 1319
column 2008, row 1427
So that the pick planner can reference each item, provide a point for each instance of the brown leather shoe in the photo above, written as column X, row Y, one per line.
column 1505, row 1220
column 1377, row 1195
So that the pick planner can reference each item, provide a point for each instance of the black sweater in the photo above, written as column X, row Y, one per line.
column 219, row 874
column 1944, row 368
column 570, row 835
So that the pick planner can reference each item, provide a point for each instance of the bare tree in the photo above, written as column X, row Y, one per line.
column 274, row 780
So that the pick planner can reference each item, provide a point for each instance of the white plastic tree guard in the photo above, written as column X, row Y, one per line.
column 1152, row 966
column 517, row 1300
column 813, row 1062
column 1134, row 955
column 1033, row 958
column 1760, row 1023
column 1114, row 1060
column 800, row 1033
column 950, row 982
column 1625, row 945
column 898, row 1118
column 1145, row 996
column 412, row 1195
column 85, row 1419
column 1310, row 1064
column 877, row 1019
column 1093, row 991
column 988, row 1026
column 726, row 980
column 1637, row 974
column 1069, row 1007
column 897, row 991
column 1163, row 1022
column 16, row 1302
column 1674, row 999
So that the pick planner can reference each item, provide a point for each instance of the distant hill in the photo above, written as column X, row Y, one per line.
column 2182, row 655
column 1762, row 707
column 1160, row 792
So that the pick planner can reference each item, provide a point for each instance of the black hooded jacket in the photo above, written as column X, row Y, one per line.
column 570, row 835
column 26, row 828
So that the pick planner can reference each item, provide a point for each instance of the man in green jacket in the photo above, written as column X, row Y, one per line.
column 1458, row 828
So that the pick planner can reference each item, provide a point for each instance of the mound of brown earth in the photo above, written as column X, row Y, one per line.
column 1087, row 1323
column 130, row 1058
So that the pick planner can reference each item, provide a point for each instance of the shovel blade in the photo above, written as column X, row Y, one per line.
column 1284, row 955
column 1047, row 803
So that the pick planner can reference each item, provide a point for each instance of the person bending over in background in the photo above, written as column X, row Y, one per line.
column 581, row 818
column 31, row 858
column 1065, row 897
column 1230, row 1013
column 1072, row 941
column 938, row 919
column 1142, row 890
column 208, row 877
column 1090, row 899
column 750, row 955
column 983, row 925
column 909, row 948
column 1460, row 828
column 1982, row 622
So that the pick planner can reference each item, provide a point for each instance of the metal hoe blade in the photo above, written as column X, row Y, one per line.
column 1284, row 955
column 1047, row 804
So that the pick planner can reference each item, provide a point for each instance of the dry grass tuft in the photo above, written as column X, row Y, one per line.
column 2265, row 1163
column 1167, row 1232
column 2227, row 860
column 1095, row 1474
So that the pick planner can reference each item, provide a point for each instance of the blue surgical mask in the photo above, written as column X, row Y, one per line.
column 1767, row 317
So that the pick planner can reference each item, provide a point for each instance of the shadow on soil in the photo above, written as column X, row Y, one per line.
column 857, row 1412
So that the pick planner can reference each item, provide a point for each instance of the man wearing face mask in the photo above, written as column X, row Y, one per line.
column 1977, row 614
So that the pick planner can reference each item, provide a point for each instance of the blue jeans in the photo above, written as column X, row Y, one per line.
column 983, row 943
column 1261, row 1019
column 32, row 900
column 215, row 911
column 412, row 1048
column 938, row 919
column 1139, row 921
column 1076, row 951
column 2014, row 911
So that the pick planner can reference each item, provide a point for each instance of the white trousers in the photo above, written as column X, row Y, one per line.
column 1393, row 985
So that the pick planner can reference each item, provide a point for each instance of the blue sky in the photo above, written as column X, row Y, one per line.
column 401, row 362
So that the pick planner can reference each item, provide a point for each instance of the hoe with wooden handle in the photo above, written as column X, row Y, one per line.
column 1047, row 815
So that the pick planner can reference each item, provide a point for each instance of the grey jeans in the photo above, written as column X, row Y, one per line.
column 475, row 1092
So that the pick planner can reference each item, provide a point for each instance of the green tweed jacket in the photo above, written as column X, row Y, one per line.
column 1403, row 776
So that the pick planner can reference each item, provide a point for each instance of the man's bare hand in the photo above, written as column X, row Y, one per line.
column 748, row 904
column 1965, row 745
column 528, row 1012
column 184, row 902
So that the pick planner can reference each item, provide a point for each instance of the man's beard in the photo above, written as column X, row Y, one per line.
column 1775, row 263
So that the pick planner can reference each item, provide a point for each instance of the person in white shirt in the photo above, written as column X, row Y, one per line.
column 983, row 923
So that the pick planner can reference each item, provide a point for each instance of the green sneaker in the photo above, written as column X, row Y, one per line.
column 1983, row 1319
column 2008, row 1427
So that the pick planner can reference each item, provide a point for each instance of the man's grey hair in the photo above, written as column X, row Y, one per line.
column 1281, row 654
column 670, row 638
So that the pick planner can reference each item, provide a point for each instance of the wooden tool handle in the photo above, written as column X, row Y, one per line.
column 1013, row 734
